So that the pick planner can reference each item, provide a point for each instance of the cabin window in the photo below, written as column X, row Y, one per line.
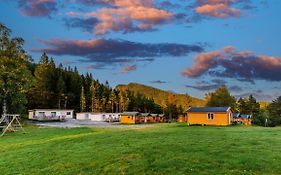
column 129, row 117
column 53, row 114
column 68, row 113
column 210, row 116
column 41, row 114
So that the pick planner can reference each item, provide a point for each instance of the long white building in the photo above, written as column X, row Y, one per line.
column 98, row 117
column 50, row 114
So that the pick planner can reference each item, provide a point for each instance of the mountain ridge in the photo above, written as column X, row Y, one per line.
column 161, row 97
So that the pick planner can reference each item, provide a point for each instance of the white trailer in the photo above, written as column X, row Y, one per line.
column 50, row 114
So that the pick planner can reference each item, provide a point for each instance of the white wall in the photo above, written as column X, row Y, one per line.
column 83, row 116
column 105, row 117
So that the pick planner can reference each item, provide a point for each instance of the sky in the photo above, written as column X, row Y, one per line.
column 183, row 46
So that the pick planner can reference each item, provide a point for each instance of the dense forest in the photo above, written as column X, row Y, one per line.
column 64, row 88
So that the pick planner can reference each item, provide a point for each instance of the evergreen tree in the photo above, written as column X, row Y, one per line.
column 274, row 110
column 61, row 89
column 82, row 100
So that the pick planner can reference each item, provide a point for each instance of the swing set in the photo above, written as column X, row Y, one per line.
column 10, row 123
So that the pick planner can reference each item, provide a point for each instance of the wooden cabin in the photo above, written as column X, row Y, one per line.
column 181, row 119
column 136, row 118
column 50, row 114
column 160, row 118
column 129, row 117
column 244, row 119
column 152, row 118
column 143, row 118
column 221, row 116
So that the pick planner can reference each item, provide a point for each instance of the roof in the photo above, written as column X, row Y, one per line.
column 130, row 113
column 246, row 116
column 154, row 115
column 145, row 114
column 209, row 109
column 236, row 115
column 51, row 109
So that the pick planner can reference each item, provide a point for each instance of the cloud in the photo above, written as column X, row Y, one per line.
column 258, row 95
column 38, row 8
column 66, row 62
column 127, row 16
column 110, row 51
column 86, row 24
column 158, row 82
column 214, row 84
column 128, row 69
column 218, row 8
column 166, row 4
column 93, row 67
column 243, row 65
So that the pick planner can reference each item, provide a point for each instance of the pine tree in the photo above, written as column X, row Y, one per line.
column 82, row 100
column 93, row 97
column 61, row 89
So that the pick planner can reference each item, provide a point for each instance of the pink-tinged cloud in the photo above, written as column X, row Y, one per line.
column 37, row 8
column 93, row 67
column 218, row 8
column 128, row 69
column 202, row 64
column 127, row 16
column 244, row 65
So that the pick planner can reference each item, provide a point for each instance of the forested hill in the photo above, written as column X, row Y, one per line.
column 162, row 97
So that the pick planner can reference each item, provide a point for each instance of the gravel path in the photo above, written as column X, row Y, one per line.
column 72, row 123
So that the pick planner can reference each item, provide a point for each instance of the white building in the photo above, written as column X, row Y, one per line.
column 105, row 117
column 50, row 114
column 98, row 117
column 83, row 116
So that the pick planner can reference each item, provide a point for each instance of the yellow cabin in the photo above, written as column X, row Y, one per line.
column 221, row 116
column 136, row 117
column 182, row 119
column 129, row 117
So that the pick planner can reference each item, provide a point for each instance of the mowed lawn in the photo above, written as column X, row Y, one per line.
column 158, row 149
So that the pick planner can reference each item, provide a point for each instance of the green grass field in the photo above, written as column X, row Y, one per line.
column 161, row 149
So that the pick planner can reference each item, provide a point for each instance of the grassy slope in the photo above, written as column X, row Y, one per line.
column 264, row 104
column 161, row 149
column 160, row 96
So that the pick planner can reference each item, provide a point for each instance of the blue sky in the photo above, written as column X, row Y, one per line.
column 184, row 46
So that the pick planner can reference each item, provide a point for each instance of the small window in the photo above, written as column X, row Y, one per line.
column 68, row 113
column 41, row 114
column 210, row 116
column 53, row 114
column 129, row 117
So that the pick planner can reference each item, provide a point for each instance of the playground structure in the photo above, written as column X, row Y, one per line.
column 11, row 123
